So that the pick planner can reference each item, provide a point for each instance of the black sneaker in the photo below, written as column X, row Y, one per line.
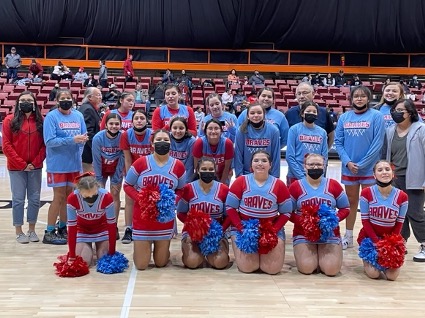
column 127, row 238
column 53, row 238
column 63, row 232
column 118, row 234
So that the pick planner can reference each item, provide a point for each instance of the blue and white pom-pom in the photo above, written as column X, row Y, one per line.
column 166, row 204
column 247, row 240
column 328, row 221
column 368, row 253
column 111, row 264
column 211, row 242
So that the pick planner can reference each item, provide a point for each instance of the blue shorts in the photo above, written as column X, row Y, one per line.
column 300, row 239
column 55, row 180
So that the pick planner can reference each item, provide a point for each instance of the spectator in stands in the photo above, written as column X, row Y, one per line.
column 81, row 75
column 329, row 80
column 404, row 145
column 414, row 82
column 356, row 81
column 90, row 81
column 240, row 102
column 307, row 78
column 184, row 78
column 24, row 148
column 168, row 77
column 90, row 110
column 52, row 95
column 227, row 97
column 199, row 115
column 245, row 80
column 340, row 79
column 333, row 115
column 112, row 95
column 60, row 72
column 142, row 97
column 317, row 80
column 252, row 97
column 232, row 78
column 103, row 74
column 406, row 89
column 128, row 69
column 305, row 92
column 36, row 71
column 12, row 61
column 257, row 80
column 157, row 93
column 391, row 92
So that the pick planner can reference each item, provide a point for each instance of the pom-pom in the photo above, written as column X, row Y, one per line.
column 268, row 238
column 368, row 253
column 211, row 242
column 75, row 268
column 197, row 224
column 391, row 251
column 328, row 221
column 309, row 221
column 148, row 198
column 111, row 264
column 166, row 204
column 247, row 240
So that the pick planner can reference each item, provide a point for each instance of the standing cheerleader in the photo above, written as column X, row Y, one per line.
column 124, row 108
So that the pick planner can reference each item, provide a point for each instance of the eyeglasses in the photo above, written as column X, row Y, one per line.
column 399, row 110
column 31, row 101
column 314, row 165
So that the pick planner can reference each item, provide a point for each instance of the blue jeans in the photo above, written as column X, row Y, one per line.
column 12, row 73
column 25, row 183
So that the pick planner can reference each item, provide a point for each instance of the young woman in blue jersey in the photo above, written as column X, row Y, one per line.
column 359, row 136
column 91, row 219
column 273, row 116
column 262, row 196
column 228, row 120
column 162, row 115
column 216, row 146
column 64, row 134
column 391, row 92
column 405, row 148
column 382, row 197
column 182, row 144
column 256, row 134
column 124, row 109
column 108, row 159
column 153, row 169
column 304, row 138
column 315, row 189
column 135, row 143
column 208, row 195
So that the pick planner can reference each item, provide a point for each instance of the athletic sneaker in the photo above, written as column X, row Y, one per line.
column 420, row 257
column 63, row 232
column 32, row 236
column 347, row 242
column 22, row 238
column 53, row 238
column 127, row 238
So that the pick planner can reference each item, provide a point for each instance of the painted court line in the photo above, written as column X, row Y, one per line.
column 125, row 310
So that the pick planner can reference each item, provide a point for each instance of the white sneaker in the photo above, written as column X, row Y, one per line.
column 32, row 236
column 22, row 238
column 420, row 257
column 347, row 242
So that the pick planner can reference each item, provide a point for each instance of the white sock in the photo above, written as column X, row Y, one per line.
column 349, row 233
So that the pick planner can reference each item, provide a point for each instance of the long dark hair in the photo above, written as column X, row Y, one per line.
column 18, row 115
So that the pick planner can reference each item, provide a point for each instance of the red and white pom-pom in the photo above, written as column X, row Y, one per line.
column 148, row 197
column 309, row 221
column 197, row 224
column 391, row 251
column 268, row 237
column 67, row 268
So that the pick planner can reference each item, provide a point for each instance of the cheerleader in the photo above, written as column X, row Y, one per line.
column 182, row 144
column 216, row 146
column 375, row 199
column 123, row 108
column 208, row 195
column 256, row 134
column 91, row 219
column 108, row 159
column 313, row 190
column 262, row 196
column 153, row 170
column 135, row 143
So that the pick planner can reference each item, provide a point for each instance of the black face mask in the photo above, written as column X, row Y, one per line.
column 397, row 117
column 315, row 173
column 113, row 134
column 268, row 108
column 257, row 125
column 359, row 108
column 389, row 102
column 92, row 199
column 139, row 130
column 383, row 184
column 207, row 177
column 26, row 107
column 65, row 104
column 310, row 118
column 161, row 147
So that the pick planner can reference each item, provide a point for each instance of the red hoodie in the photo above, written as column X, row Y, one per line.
column 23, row 147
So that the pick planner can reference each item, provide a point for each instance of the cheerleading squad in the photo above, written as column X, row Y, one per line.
column 167, row 169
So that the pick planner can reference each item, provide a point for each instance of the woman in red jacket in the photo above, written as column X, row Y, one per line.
column 25, row 151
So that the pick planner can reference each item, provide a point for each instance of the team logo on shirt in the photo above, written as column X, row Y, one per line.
column 182, row 155
column 110, row 150
column 157, row 179
column 67, row 125
column 258, row 202
column 316, row 201
column 207, row 207
column 356, row 128
column 311, row 143
column 383, row 212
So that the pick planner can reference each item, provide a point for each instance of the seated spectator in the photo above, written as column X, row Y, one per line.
column 240, row 102
column 157, row 93
column 405, row 87
column 112, row 95
column 317, row 80
column 329, row 80
column 184, row 78
column 414, row 83
column 232, row 78
column 90, row 81
column 208, row 82
column 168, row 77
column 52, row 94
column 252, row 98
column 356, row 81
column 257, row 80
column 340, row 79
column 36, row 71
column 80, row 76
column 60, row 72
column 307, row 78
column 245, row 80
column 227, row 97
column 141, row 96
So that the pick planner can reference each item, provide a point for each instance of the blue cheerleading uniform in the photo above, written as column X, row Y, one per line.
column 138, row 145
column 228, row 131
